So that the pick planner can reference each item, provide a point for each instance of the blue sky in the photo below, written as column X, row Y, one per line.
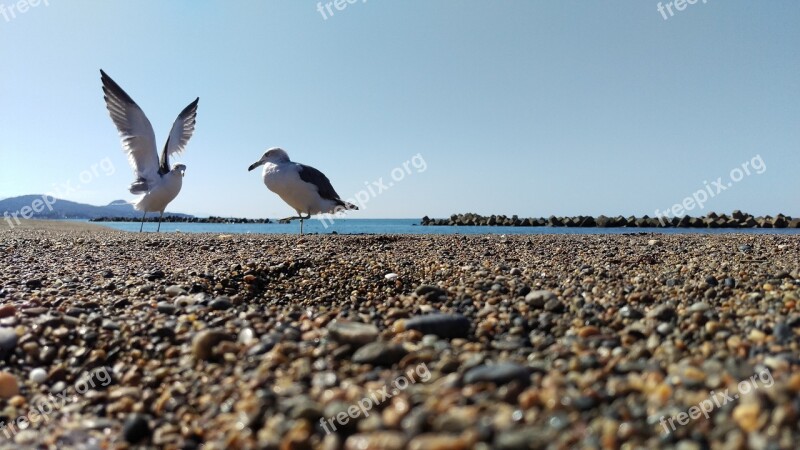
column 517, row 107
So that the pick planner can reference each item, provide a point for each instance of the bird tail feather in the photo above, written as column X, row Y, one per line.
column 139, row 186
column 348, row 205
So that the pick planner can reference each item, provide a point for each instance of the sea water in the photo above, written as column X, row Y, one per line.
column 411, row 226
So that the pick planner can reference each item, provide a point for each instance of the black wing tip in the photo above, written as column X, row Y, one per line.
column 191, row 108
column 106, row 79
column 111, row 88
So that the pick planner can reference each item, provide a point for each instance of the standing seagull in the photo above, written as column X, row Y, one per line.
column 154, row 179
column 304, row 188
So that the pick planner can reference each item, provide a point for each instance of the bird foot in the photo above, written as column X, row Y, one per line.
column 289, row 219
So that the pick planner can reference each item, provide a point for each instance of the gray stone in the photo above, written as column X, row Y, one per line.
column 353, row 332
column 537, row 299
column 136, row 428
column 446, row 326
column 221, row 303
column 430, row 292
column 662, row 312
column 8, row 341
column 499, row 374
column 379, row 354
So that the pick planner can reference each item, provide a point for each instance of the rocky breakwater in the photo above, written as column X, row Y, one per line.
column 737, row 219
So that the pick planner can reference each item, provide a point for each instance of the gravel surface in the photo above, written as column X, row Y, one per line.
column 194, row 341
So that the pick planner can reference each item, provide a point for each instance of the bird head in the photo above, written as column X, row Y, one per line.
column 273, row 155
column 180, row 168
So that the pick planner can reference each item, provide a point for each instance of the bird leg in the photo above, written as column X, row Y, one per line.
column 142, row 225
column 289, row 219
column 299, row 216
column 159, row 221
column 308, row 216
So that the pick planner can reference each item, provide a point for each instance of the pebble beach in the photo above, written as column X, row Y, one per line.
column 190, row 341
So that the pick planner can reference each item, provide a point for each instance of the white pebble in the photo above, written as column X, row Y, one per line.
column 391, row 276
column 182, row 301
column 38, row 375
column 246, row 336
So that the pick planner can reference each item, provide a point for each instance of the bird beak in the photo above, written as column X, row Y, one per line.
column 255, row 164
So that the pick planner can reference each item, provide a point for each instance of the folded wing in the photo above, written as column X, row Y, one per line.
column 323, row 184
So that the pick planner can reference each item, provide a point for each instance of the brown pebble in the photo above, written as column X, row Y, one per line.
column 588, row 331
column 17, row 401
column 437, row 442
column 7, row 311
column 794, row 383
column 757, row 336
column 746, row 416
column 379, row 440
column 9, row 386
column 298, row 437
column 712, row 326
column 204, row 342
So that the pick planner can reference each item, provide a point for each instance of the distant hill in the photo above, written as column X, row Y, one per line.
column 65, row 209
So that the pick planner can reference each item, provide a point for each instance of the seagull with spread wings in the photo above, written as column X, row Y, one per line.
column 303, row 187
column 155, row 180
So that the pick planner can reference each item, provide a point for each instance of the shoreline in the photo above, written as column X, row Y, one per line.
column 480, row 230
column 53, row 225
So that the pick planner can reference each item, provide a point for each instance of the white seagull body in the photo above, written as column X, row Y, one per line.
column 157, row 183
column 302, row 187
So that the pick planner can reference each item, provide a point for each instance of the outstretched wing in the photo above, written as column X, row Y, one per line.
column 138, row 139
column 180, row 134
